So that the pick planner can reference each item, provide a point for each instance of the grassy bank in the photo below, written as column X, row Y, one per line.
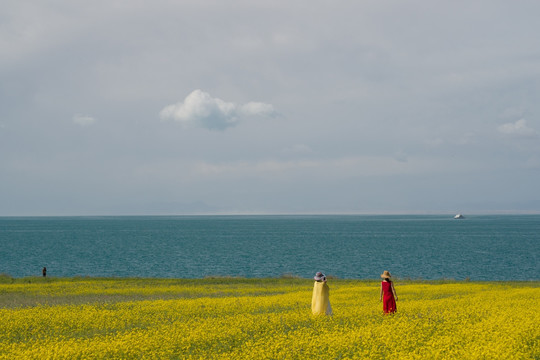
column 264, row 318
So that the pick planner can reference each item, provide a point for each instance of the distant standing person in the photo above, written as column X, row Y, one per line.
column 44, row 271
column 388, row 293
column 320, row 302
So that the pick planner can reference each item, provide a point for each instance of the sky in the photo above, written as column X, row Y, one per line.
column 269, row 107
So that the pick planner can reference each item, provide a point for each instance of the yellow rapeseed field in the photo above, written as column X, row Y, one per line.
column 265, row 319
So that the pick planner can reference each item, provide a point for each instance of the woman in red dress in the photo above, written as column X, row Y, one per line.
column 388, row 293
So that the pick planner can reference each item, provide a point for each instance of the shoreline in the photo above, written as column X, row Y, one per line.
column 7, row 279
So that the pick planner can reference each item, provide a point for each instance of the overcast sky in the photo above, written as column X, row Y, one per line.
column 177, row 107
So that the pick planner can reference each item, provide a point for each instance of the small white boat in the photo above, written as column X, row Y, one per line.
column 459, row 216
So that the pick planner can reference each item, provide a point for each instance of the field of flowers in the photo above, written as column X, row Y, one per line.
column 265, row 319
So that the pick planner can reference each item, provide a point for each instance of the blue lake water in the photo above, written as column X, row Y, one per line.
column 360, row 247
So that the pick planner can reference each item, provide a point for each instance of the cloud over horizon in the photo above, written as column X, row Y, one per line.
column 84, row 120
column 200, row 109
column 518, row 128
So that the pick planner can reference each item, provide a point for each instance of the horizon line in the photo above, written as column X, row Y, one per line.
column 315, row 213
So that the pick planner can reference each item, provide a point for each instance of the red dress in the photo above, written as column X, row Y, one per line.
column 389, row 303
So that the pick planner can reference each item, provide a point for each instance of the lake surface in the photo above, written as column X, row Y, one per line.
column 360, row 247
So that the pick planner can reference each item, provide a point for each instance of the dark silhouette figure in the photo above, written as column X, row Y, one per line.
column 44, row 271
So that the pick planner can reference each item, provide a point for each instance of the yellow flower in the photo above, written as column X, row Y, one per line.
column 265, row 319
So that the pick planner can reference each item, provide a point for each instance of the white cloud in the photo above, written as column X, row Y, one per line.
column 83, row 120
column 243, row 169
column 199, row 109
column 519, row 128
column 343, row 166
column 298, row 149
